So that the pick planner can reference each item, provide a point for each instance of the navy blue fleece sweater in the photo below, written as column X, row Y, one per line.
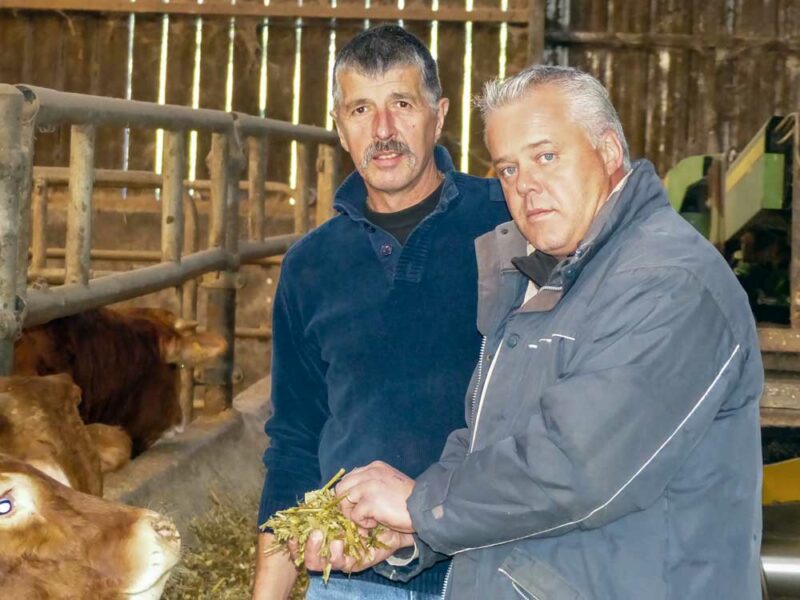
column 374, row 342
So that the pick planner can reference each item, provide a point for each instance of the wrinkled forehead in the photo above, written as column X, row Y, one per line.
column 537, row 118
column 353, row 82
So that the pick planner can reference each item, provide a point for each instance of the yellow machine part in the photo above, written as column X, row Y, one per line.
column 782, row 482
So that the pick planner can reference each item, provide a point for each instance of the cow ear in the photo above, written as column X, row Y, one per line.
column 183, row 326
column 194, row 350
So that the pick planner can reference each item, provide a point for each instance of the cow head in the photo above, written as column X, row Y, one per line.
column 180, row 342
column 42, row 521
column 40, row 425
column 192, row 349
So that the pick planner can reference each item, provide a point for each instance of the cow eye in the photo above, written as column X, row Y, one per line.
column 6, row 506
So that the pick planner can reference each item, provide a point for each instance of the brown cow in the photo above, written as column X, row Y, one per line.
column 40, row 425
column 56, row 542
column 125, row 363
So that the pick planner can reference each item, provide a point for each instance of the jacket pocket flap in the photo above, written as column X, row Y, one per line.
column 537, row 579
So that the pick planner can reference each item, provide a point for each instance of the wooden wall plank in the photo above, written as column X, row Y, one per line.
column 144, row 86
column 451, row 73
column 108, row 77
column 214, row 75
column 247, row 64
column 755, row 70
column 314, row 72
column 180, row 72
column 485, row 64
column 12, row 44
column 517, row 50
column 281, row 60
column 787, row 69
column 346, row 31
column 702, row 119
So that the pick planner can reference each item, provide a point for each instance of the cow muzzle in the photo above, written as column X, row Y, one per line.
column 156, row 549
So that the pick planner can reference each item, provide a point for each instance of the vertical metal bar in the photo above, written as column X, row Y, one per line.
column 257, row 176
column 11, row 102
column 174, row 168
column 188, row 304
column 327, row 168
column 302, row 195
column 79, row 211
column 794, row 273
column 39, row 226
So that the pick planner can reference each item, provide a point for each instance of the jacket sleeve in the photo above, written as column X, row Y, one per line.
column 657, row 363
column 453, row 455
column 300, row 405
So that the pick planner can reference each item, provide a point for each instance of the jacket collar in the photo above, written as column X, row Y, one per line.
column 642, row 194
column 351, row 197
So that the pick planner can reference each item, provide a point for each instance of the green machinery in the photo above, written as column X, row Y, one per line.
column 722, row 199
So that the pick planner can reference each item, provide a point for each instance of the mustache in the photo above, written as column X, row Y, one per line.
column 387, row 146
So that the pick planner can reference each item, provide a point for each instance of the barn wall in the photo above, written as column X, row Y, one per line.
column 688, row 76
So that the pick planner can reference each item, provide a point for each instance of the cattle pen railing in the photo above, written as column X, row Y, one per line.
column 237, row 141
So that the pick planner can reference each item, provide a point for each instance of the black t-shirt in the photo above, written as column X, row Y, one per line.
column 400, row 224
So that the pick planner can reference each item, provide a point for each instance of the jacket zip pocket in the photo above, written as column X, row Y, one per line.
column 523, row 593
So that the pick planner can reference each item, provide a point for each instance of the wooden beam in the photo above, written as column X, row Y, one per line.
column 698, row 42
column 533, row 15
column 275, row 9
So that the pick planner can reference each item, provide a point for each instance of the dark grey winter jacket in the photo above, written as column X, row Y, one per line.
column 613, row 450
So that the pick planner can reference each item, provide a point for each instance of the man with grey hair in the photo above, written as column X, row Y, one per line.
column 374, row 334
column 613, row 441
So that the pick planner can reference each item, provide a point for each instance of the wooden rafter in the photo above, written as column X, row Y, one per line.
column 276, row 9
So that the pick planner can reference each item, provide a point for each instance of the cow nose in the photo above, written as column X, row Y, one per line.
column 166, row 530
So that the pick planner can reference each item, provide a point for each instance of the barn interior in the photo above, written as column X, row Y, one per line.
column 167, row 153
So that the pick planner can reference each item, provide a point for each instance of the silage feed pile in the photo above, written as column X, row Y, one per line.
column 220, row 566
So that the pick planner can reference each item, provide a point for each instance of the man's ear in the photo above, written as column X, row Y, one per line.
column 441, row 112
column 611, row 151
column 342, row 141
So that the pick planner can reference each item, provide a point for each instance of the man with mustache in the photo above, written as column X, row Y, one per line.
column 613, row 448
column 374, row 334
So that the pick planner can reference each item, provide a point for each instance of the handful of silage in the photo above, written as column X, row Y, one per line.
column 319, row 510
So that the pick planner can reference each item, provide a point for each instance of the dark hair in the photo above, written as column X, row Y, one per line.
column 376, row 50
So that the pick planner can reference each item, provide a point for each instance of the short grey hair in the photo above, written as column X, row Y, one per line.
column 379, row 49
column 590, row 104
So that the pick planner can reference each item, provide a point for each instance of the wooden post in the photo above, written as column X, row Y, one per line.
column 536, row 23
column 327, row 171
column 39, row 226
column 11, row 101
column 302, row 194
column 79, row 211
column 257, row 177
column 172, row 196
column 794, row 270
column 221, row 287
column 27, row 132
column 716, row 192
column 188, row 305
